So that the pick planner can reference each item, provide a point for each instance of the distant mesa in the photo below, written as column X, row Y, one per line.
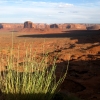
column 28, row 24
column 76, row 27
column 62, row 26
column 80, row 27
column 1, row 26
column 94, row 27
column 70, row 26
column 41, row 26
column 53, row 26
column 11, row 26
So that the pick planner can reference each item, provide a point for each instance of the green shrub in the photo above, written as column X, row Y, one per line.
column 36, row 80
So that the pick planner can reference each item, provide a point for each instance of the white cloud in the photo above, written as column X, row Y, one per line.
column 49, row 12
column 65, row 5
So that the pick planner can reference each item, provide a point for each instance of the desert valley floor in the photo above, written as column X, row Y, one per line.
column 82, row 46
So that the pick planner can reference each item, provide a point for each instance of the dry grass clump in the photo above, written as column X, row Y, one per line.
column 35, row 80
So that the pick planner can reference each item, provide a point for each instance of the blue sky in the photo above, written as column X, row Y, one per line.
column 50, row 11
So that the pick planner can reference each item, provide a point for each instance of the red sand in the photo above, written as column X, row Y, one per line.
column 83, row 46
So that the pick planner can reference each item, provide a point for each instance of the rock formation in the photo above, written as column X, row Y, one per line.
column 80, row 26
column 41, row 25
column 62, row 26
column 70, row 26
column 11, row 26
column 28, row 24
column 1, row 26
column 76, row 27
column 53, row 26
column 34, row 26
column 94, row 27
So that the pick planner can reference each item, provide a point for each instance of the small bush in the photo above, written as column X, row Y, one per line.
column 35, row 80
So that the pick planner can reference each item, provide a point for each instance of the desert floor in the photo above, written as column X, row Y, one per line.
column 83, row 48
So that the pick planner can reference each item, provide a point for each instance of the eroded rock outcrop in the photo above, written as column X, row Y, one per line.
column 12, row 26
column 76, row 27
column 53, row 26
column 28, row 24
column 1, row 26
column 94, row 27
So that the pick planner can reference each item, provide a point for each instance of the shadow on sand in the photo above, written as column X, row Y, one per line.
column 82, row 78
column 38, row 96
column 83, row 36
